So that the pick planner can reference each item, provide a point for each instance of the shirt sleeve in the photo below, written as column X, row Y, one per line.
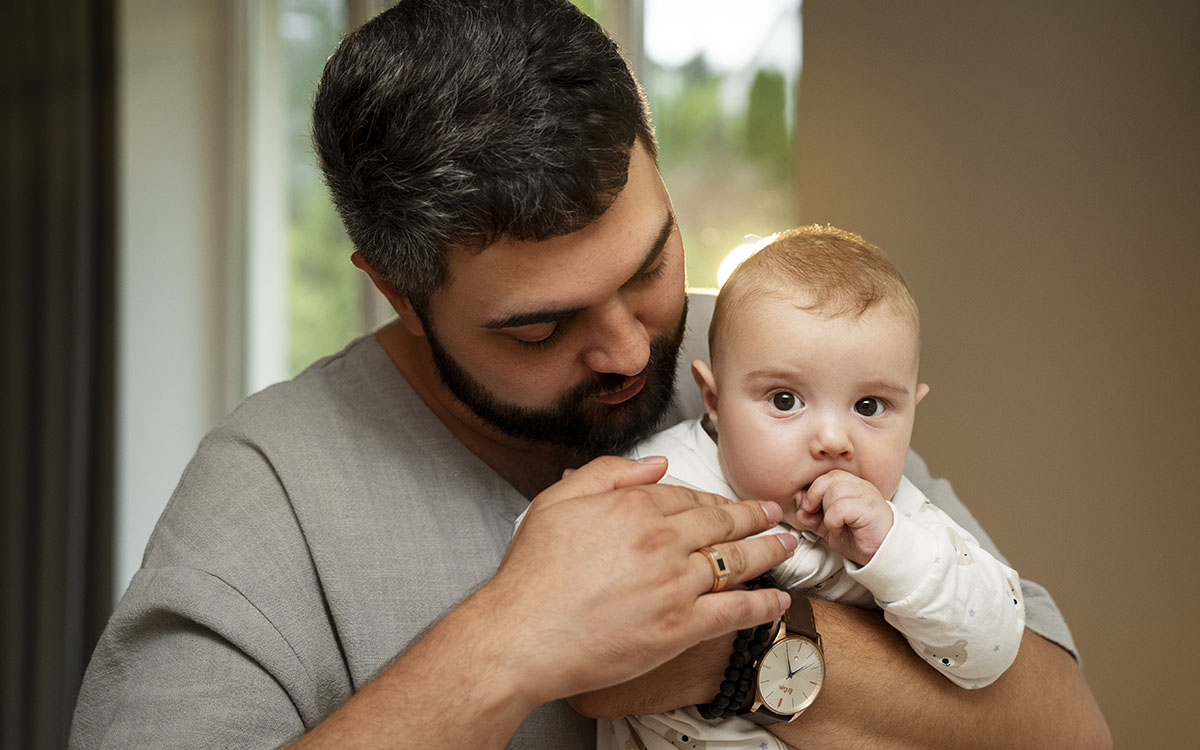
column 1041, row 613
column 189, row 662
column 959, row 607
column 223, row 638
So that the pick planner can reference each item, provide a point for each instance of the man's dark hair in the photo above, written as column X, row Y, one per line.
column 453, row 123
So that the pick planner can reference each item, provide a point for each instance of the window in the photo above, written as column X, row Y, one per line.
column 721, row 80
column 306, row 299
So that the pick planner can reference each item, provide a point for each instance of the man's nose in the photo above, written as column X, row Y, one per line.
column 620, row 343
column 831, row 439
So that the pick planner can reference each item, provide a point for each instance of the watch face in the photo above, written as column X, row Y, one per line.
column 790, row 676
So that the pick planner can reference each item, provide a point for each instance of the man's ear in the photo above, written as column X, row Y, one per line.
column 922, row 390
column 399, row 302
column 708, row 388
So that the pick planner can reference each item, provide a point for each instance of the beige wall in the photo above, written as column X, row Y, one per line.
column 1034, row 169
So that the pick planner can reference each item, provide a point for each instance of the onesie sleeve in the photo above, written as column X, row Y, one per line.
column 1041, row 614
column 959, row 607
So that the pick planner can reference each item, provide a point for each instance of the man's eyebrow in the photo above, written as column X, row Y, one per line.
column 660, row 244
column 534, row 317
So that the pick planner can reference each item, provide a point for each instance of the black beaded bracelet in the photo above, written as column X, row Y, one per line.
column 748, row 647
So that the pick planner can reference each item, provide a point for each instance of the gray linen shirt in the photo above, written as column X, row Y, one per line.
column 317, row 532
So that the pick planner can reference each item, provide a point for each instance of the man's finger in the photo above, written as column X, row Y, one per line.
column 673, row 500
column 741, row 560
column 727, row 611
column 715, row 524
column 604, row 474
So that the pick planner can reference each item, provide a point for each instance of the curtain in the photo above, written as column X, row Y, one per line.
column 57, row 212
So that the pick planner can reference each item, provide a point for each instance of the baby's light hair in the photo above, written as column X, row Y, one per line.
column 839, row 273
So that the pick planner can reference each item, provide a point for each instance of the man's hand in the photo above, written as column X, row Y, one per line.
column 848, row 512
column 601, row 583
column 603, row 580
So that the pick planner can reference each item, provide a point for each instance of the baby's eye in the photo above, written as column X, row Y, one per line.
column 785, row 401
column 869, row 407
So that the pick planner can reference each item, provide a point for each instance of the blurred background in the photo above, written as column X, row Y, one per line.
column 1032, row 167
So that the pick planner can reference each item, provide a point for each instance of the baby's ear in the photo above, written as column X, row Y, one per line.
column 708, row 388
column 922, row 390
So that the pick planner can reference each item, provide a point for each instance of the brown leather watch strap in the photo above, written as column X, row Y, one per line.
column 799, row 618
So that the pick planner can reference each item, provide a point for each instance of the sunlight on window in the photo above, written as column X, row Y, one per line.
column 721, row 79
column 740, row 253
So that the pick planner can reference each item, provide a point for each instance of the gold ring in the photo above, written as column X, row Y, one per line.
column 720, row 569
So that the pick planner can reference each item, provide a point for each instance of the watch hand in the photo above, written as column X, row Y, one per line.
column 791, row 673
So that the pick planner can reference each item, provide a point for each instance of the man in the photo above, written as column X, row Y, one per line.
column 332, row 568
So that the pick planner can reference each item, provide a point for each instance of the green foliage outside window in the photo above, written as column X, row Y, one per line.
column 729, row 168
column 593, row 8
column 324, row 289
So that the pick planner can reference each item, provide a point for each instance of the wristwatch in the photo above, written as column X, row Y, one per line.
column 790, row 673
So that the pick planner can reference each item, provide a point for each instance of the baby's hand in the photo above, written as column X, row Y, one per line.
column 848, row 512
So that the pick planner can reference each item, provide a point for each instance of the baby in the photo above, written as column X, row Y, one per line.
column 810, row 402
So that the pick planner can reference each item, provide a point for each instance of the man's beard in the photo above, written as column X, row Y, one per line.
column 576, row 421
